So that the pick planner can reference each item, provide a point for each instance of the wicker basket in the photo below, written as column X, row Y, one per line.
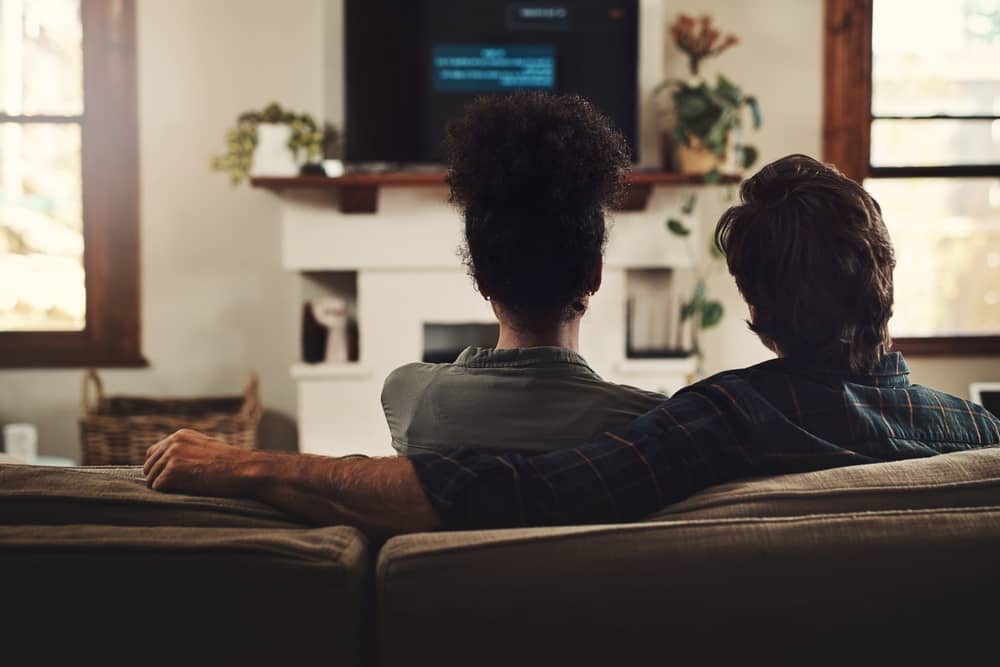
column 117, row 430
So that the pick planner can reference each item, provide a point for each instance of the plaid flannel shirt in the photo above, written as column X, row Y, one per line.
column 770, row 419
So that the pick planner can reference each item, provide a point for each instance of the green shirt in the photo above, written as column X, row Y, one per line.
column 527, row 399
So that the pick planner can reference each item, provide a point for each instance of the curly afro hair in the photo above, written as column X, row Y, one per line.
column 533, row 173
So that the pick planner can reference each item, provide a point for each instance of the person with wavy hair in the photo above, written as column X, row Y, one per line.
column 818, row 291
column 533, row 174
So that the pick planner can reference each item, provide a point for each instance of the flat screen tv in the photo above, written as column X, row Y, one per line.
column 412, row 65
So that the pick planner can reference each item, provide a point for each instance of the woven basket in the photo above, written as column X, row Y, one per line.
column 117, row 430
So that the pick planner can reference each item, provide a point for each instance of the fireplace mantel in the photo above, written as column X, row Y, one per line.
column 399, row 269
column 358, row 192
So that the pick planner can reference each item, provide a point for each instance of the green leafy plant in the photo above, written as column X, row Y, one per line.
column 241, row 140
column 708, row 116
column 713, row 116
column 702, row 312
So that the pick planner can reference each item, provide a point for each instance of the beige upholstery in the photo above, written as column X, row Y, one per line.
column 155, row 579
column 114, row 595
column 119, row 496
column 962, row 479
column 839, row 567
column 888, row 588
column 892, row 563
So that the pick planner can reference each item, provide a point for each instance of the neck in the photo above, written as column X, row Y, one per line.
column 564, row 334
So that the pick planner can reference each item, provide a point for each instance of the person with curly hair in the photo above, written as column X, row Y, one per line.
column 533, row 174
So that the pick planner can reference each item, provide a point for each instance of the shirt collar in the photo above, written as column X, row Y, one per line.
column 522, row 357
column 890, row 371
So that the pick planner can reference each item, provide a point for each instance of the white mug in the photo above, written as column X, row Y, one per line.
column 21, row 441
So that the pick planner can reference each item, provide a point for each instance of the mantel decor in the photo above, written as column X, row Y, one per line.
column 271, row 141
column 358, row 192
column 703, row 121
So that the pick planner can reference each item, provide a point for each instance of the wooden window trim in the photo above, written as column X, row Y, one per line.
column 110, row 184
column 847, row 118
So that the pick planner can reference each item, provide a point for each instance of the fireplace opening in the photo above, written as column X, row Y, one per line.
column 444, row 342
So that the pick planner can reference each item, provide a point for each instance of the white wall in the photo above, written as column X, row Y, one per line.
column 780, row 60
column 215, row 300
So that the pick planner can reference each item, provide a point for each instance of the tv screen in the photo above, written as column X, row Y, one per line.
column 412, row 65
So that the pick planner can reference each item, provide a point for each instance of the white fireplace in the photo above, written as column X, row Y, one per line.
column 400, row 269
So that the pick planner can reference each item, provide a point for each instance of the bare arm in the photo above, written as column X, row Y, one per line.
column 380, row 495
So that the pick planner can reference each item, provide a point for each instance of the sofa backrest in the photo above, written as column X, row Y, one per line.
column 895, row 563
column 961, row 479
column 908, row 587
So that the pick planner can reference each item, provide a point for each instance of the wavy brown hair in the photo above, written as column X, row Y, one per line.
column 812, row 257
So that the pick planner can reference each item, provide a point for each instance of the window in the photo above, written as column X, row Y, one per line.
column 912, row 110
column 69, row 284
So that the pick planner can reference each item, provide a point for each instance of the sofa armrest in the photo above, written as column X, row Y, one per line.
column 114, row 595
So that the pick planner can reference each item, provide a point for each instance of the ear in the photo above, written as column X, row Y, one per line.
column 482, row 292
column 595, row 284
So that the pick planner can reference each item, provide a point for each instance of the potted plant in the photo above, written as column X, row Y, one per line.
column 705, row 119
column 272, row 142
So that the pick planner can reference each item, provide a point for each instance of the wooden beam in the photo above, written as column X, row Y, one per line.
column 847, row 92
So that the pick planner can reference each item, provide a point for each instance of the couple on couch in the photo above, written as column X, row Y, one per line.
column 528, row 434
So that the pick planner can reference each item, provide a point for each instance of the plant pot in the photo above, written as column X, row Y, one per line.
column 272, row 156
column 696, row 159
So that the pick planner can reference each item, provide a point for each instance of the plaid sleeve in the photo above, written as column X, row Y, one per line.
column 687, row 443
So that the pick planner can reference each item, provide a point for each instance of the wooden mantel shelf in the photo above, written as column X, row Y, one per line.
column 358, row 193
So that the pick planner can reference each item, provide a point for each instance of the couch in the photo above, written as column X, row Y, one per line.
column 892, row 563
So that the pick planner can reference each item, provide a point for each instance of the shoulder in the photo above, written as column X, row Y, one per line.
column 627, row 393
column 729, row 394
column 959, row 413
column 731, row 380
column 405, row 382
column 403, row 395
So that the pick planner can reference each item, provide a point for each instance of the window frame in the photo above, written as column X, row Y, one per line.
column 847, row 120
column 110, row 190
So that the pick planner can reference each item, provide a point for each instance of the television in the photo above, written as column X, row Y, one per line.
column 412, row 65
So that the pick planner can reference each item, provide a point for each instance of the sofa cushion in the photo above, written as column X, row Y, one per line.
column 876, row 588
column 117, row 495
column 164, row 595
column 962, row 479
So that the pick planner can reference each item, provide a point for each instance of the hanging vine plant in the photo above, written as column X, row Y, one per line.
column 241, row 140
column 700, row 310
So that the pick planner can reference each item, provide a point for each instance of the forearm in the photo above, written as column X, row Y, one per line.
column 381, row 495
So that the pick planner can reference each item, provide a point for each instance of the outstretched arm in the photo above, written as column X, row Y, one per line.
column 698, row 438
column 379, row 495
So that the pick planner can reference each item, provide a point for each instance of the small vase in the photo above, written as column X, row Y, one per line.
column 272, row 156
